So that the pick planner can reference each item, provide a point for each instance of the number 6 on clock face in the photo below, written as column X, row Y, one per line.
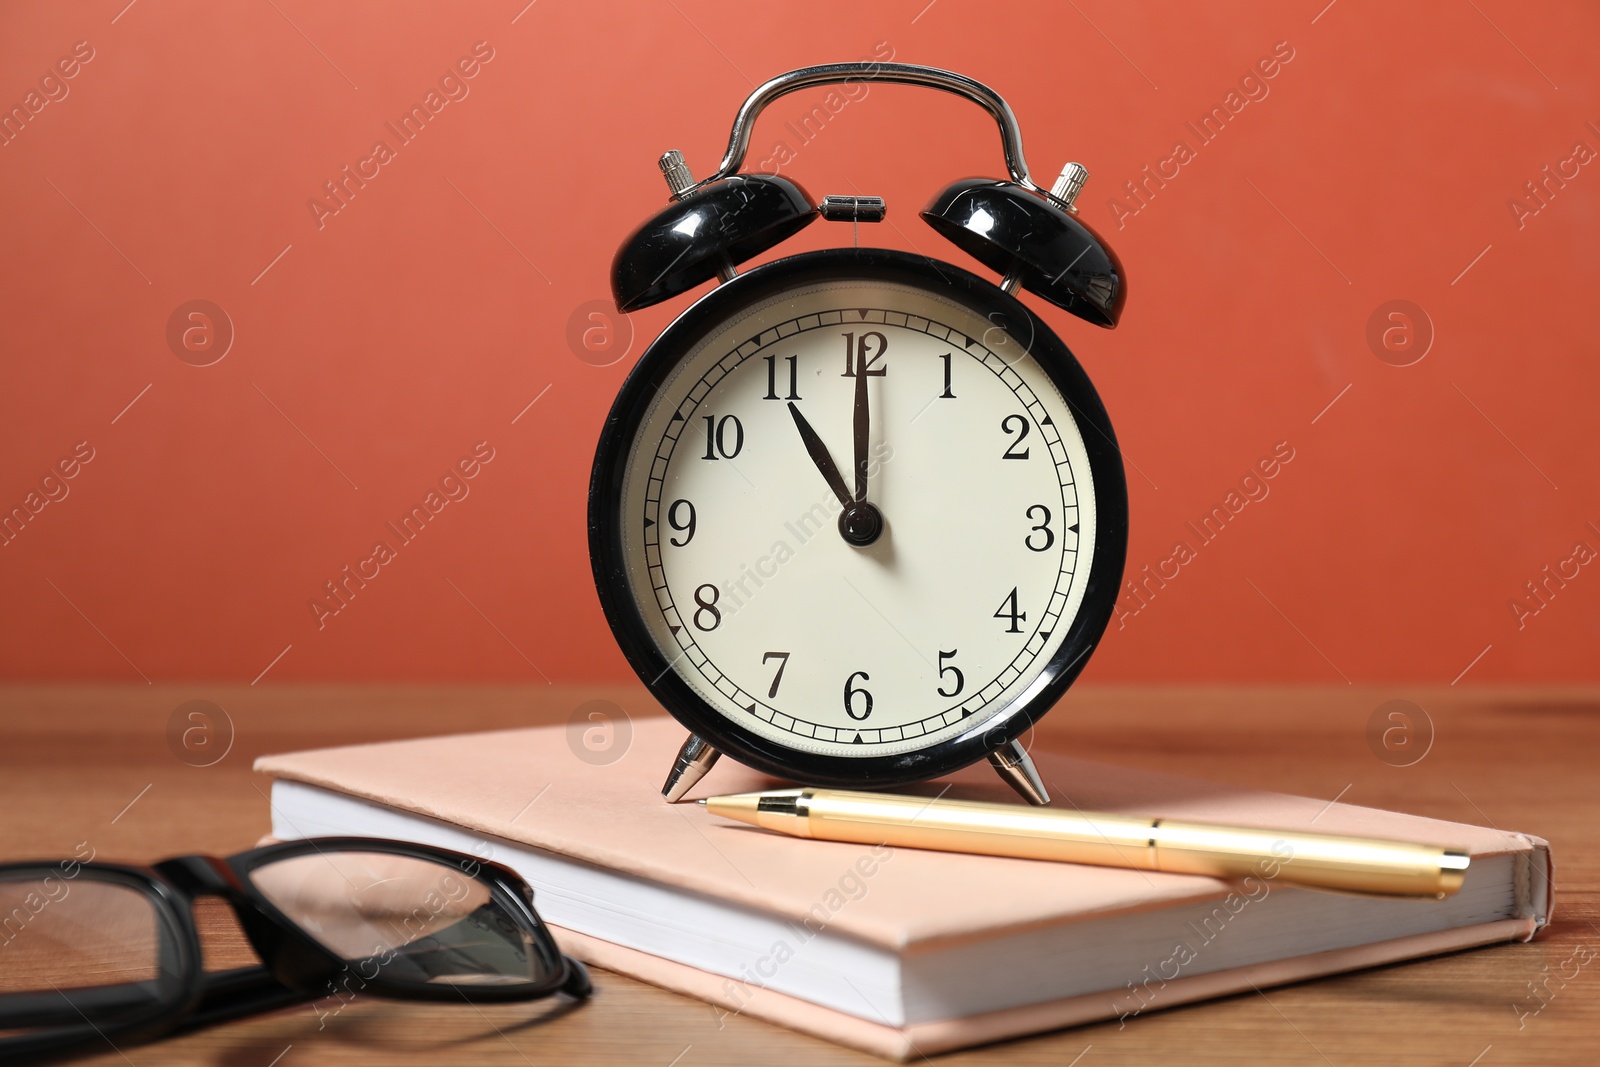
column 854, row 529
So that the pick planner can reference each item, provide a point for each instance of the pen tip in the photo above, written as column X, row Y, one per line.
column 701, row 802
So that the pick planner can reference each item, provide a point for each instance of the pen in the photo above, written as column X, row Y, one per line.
column 1321, row 861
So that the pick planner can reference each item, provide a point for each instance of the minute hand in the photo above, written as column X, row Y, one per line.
column 819, row 455
column 863, row 424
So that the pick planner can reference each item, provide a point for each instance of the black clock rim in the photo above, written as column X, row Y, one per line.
column 607, row 559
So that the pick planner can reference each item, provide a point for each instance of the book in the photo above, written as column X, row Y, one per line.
column 875, row 947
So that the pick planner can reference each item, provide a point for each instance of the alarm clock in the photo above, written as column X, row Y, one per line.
column 857, row 517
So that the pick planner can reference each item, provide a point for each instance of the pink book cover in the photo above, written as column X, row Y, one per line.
column 534, row 787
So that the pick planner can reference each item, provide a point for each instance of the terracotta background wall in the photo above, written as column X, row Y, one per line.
column 1370, row 153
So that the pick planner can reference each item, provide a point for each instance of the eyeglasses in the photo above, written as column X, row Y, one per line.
column 95, row 953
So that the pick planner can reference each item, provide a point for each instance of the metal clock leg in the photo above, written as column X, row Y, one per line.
column 694, row 760
column 1015, row 765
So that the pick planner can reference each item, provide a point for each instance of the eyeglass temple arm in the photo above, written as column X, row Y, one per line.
column 237, row 993
column 227, row 995
column 578, row 983
column 901, row 73
column 61, row 1007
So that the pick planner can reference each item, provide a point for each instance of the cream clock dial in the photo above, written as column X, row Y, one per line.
column 974, row 466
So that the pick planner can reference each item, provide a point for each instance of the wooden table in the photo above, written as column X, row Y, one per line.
column 82, row 763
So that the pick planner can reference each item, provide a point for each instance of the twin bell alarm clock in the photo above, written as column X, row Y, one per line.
column 858, row 517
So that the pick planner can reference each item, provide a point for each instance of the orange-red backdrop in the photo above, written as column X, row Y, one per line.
column 171, row 152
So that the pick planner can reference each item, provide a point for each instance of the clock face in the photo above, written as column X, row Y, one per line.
column 811, row 616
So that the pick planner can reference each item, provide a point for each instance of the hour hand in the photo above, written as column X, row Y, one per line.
column 819, row 455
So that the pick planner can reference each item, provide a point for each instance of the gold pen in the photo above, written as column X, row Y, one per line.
column 1322, row 861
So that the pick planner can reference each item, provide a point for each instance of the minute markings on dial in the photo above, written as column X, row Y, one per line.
column 1033, row 644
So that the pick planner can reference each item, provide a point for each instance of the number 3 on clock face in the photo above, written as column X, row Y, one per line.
column 862, row 518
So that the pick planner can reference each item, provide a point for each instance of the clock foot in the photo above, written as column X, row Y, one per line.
column 694, row 760
column 1014, row 765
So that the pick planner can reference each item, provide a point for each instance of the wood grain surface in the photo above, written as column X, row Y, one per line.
column 108, row 765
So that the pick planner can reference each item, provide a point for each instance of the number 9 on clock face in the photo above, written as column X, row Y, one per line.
column 860, row 516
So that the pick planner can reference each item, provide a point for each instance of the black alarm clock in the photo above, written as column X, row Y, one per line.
column 858, row 517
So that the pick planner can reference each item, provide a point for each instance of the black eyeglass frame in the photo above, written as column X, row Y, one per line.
column 296, row 968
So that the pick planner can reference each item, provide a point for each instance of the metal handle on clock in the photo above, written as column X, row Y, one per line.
column 901, row 73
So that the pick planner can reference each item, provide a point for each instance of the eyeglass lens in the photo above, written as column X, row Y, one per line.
column 76, row 948
column 415, row 921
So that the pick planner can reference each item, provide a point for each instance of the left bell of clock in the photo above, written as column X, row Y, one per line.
column 705, row 233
